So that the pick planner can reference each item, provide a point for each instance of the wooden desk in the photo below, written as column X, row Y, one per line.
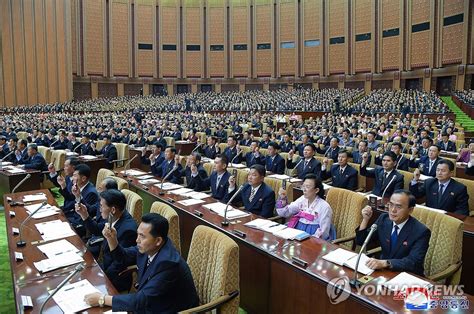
column 184, row 148
column 95, row 164
column 27, row 280
column 136, row 163
column 9, row 180
column 269, row 281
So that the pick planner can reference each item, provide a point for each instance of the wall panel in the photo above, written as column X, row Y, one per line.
column 453, row 35
column 312, row 36
column 240, row 36
column 288, row 28
column 144, row 31
column 363, row 26
column 420, row 41
column 337, row 51
column 193, row 35
column 391, row 15
column 94, row 36
column 120, row 38
column 264, row 36
column 216, row 22
column 169, row 37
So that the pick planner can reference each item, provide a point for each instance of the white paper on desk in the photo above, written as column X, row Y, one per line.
column 197, row 195
column 288, row 233
column 326, row 186
column 145, row 177
column 258, row 223
column 57, row 248
column 46, row 211
column 191, row 202
column 279, row 176
column 351, row 263
column 205, row 159
column 16, row 170
column 294, row 180
column 6, row 163
column 88, row 157
column 238, row 166
column 58, row 261
column 35, row 197
column 432, row 209
column 168, row 186
column 273, row 228
column 339, row 256
column 232, row 213
column 133, row 173
column 181, row 191
column 72, row 154
column 71, row 297
column 403, row 280
column 148, row 181
column 54, row 230
column 111, row 312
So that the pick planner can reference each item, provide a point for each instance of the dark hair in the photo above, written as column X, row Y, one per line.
column 232, row 137
column 23, row 141
column 83, row 170
column 197, row 156
column 224, row 159
column 373, row 133
column 390, row 154
column 343, row 151
column 110, row 183
column 411, row 197
column 172, row 149
column 397, row 144
column 159, row 225
column 447, row 162
column 318, row 184
column 274, row 145
column 114, row 198
column 73, row 161
column 256, row 142
column 260, row 169
column 310, row 145
column 158, row 145
column 429, row 139
column 33, row 146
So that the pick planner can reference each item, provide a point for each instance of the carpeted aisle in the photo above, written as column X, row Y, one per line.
column 7, row 304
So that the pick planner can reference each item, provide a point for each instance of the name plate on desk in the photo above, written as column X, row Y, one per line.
column 26, row 302
column 299, row 262
column 15, row 231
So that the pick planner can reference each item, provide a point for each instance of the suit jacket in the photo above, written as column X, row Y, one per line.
column 166, row 167
column 276, row 166
column 61, row 144
column 325, row 140
column 36, row 162
column 158, row 161
column 68, row 205
column 165, row 286
column 231, row 153
column 246, row 142
column 86, row 149
column 454, row 199
column 218, row 192
column 89, row 197
column 286, row 147
column 401, row 163
column 373, row 146
column 380, row 183
column 450, row 146
column 109, row 152
column 190, row 180
column 469, row 170
column 126, row 234
column 329, row 152
column 262, row 204
column 210, row 151
column 72, row 146
column 23, row 157
column 425, row 161
column 314, row 166
column 251, row 160
column 347, row 180
column 139, row 142
column 222, row 135
column 264, row 144
column 412, row 243
column 176, row 135
column 357, row 158
column 4, row 151
column 160, row 140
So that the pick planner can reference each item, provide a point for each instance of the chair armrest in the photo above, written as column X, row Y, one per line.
column 214, row 304
column 129, row 270
column 374, row 251
column 448, row 272
column 119, row 160
column 360, row 190
column 343, row 240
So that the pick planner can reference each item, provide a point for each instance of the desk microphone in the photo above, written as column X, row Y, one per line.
column 51, row 145
column 355, row 282
column 127, row 165
column 382, row 205
column 78, row 269
column 199, row 145
column 238, row 153
column 226, row 222
column 3, row 159
column 20, row 242
column 74, row 150
column 166, row 177
column 21, row 182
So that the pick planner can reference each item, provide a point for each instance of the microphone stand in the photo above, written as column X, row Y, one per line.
column 78, row 269
column 166, row 177
column 226, row 222
column 355, row 282
column 20, row 242
column 127, row 165
column 382, row 205
column 14, row 203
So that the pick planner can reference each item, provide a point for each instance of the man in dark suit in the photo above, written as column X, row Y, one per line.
column 286, row 145
column 446, row 144
column 86, row 147
column 256, row 196
column 171, row 163
column 61, row 143
column 300, row 146
column 112, row 202
column 305, row 165
column 246, row 140
column 21, row 153
column 193, row 163
column 4, row 150
column 221, row 133
column 401, row 163
column 165, row 282
column 159, row 139
column 108, row 151
column 254, row 157
column 233, row 154
column 343, row 175
column 72, row 142
column 357, row 155
column 35, row 160
column 386, row 177
column 140, row 141
column 64, row 182
column 218, row 181
column 324, row 139
column 428, row 162
column 443, row 192
column 274, row 163
column 155, row 159
column 332, row 151
column 211, row 150
column 403, row 239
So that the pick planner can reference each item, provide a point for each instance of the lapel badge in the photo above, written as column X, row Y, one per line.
column 405, row 243
column 452, row 193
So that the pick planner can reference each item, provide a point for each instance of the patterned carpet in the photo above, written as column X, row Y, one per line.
column 7, row 304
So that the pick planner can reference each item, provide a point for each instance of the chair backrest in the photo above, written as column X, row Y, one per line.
column 122, row 151
column 445, row 243
column 214, row 262
column 242, row 175
column 361, row 180
column 346, row 211
column 407, row 178
column 122, row 183
column 58, row 156
column 276, row 184
column 222, row 147
column 208, row 166
column 470, row 191
column 134, row 204
column 102, row 174
column 22, row 135
column 169, row 140
column 173, row 219
column 99, row 144
column 201, row 136
column 46, row 152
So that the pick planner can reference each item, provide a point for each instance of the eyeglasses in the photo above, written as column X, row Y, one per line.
column 392, row 205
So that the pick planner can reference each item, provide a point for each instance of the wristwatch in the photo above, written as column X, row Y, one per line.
column 102, row 300
column 389, row 264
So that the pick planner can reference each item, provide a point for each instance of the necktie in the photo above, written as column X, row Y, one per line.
column 393, row 238
column 385, row 175
column 431, row 165
column 252, row 194
column 440, row 193
column 305, row 164
column 218, row 181
column 341, row 170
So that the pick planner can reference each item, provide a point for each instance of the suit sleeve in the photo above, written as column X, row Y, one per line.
column 127, row 255
column 281, row 167
column 418, row 189
column 91, row 201
column 361, row 235
column 367, row 173
column 399, row 183
column 462, row 202
column 268, row 204
column 416, row 256
column 352, row 185
column 326, row 174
